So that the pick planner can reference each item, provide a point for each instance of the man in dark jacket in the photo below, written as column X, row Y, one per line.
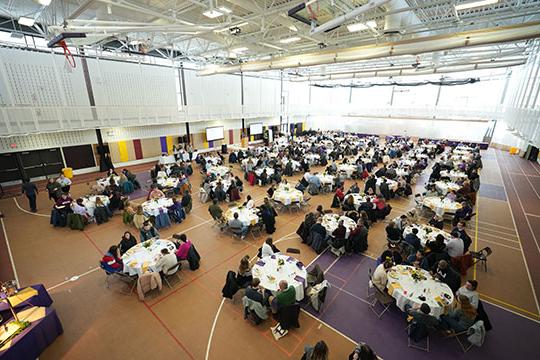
column 447, row 275
column 385, row 190
column 370, row 184
column 30, row 190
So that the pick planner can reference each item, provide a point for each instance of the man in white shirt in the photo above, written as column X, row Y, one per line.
column 380, row 279
column 469, row 290
column 455, row 247
column 166, row 262
column 307, row 176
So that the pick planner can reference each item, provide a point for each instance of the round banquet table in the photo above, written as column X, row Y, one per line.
column 402, row 287
column 426, row 233
column 325, row 179
column 402, row 172
column 454, row 175
column 246, row 216
column 347, row 168
column 330, row 223
column 226, row 184
column 271, row 273
column 218, row 170
column 462, row 151
column 140, row 259
column 407, row 162
column 441, row 206
column 312, row 158
column 287, row 195
column 295, row 164
column 212, row 160
column 463, row 147
column 269, row 171
column 152, row 207
column 89, row 202
column 167, row 182
column 392, row 184
column 166, row 159
column 104, row 182
column 358, row 199
column 443, row 186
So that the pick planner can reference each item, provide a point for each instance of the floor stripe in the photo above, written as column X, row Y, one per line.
column 207, row 356
column 328, row 326
column 501, row 226
column 10, row 254
column 476, row 231
column 28, row 212
column 507, row 305
column 73, row 279
column 529, row 214
column 504, row 245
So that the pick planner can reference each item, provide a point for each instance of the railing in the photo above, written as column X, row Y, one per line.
column 22, row 120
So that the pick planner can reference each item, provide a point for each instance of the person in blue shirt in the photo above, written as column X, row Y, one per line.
column 413, row 240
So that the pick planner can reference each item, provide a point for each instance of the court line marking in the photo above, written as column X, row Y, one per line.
column 501, row 226
column 528, row 180
column 477, row 205
column 9, row 253
column 26, row 211
column 498, row 237
column 495, row 300
column 484, row 230
column 73, row 279
column 503, row 245
column 529, row 214
column 517, row 231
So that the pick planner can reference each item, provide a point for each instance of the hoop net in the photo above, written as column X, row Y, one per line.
column 70, row 60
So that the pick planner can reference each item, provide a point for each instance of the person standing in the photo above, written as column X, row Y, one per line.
column 30, row 190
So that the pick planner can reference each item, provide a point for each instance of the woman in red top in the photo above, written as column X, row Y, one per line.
column 112, row 259
column 339, row 193
column 183, row 248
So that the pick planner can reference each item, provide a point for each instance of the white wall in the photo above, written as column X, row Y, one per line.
column 438, row 129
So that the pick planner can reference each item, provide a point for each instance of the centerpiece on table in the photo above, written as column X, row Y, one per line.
column 428, row 230
column 147, row 244
column 417, row 275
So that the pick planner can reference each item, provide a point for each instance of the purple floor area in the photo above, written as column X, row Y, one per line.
column 347, row 311
column 144, row 179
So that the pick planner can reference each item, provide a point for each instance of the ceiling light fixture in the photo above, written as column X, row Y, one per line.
column 212, row 13
column 357, row 27
column 372, row 24
column 225, row 10
column 271, row 46
column 293, row 28
column 290, row 40
column 26, row 21
column 44, row 2
column 239, row 50
column 474, row 4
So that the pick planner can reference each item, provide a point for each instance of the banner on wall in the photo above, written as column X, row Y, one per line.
column 244, row 139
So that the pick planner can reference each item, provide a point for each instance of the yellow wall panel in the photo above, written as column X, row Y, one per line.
column 123, row 151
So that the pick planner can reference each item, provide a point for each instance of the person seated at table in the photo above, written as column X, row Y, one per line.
column 249, row 203
column 154, row 193
column 354, row 189
column 451, row 195
column 112, row 261
column 421, row 315
column 127, row 242
column 183, row 245
column 255, row 293
column 263, row 178
column 243, row 275
column 339, row 193
column 437, row 222
column 454, row 247
column 268, row 248
column 314, row 181
column 438, row 245
column 131, row 177
column 459, row 231
column 418, row 260
column 237, row 227
column 148, row 231
column 365, row 219
column 187, row 202
column 340, row 232
column 215, row 210
column 239, row 183
column 286, row 296
column 116, row 201
column 413, row 240
column 462, row 214
column 64, row 183
column 385, row 190
column 63, row 204
column 348, row 204
column 382, row 210
column 460, row 318
column 54, row 189
column 380, row 277
column 139, row 218
column 469, row 290
column 363, row 352
column 288, row 171
column 381, row 171
column 219, row 193
column 444, row 272
column 166, row 263
column 271, row 191
column 79, row 208
column 392, row 232
column 317, row 352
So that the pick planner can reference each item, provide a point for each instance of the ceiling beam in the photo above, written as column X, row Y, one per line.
column 82, row 8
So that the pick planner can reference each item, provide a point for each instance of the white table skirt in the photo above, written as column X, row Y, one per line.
column 426, row 233
column 152, row 207
column 443, row 187
column 286, row 197
column 218, row 170
column 246, row 216
column 269, row 171
column 270, row 273
column 89, row 202
column 402, row 287
column 104, row 182
column 441, row 206
column 140, row 259
column 331, row 221
column 168, row 159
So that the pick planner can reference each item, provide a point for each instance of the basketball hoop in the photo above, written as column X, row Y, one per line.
column 312, row 14
column 69, row 56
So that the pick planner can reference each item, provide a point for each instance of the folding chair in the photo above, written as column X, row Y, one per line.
column 474, row 335
column 130, row 280
column 370, row 293
column 295, row 205
column 413, row 344
column 481, row 256
column 256, row 230
column 305, row 203
column 382, row 299
column 166, row 277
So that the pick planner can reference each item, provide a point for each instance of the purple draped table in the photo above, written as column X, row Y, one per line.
column 41, row 299
column 44, row 329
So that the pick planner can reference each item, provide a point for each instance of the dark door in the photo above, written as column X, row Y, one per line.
column 9, row 169
column 42, row 162
column 79, row 157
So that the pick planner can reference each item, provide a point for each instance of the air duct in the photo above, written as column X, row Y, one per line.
column 397, row 21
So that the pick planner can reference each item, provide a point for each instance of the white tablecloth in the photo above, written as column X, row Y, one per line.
column 402, row 287
column 212, row 160
column 140, row 259
column 462, row 151
column 286, row 197
column 330, row 223
column 167, row 182
column 271, row 273
column 269, row 171
column 246, row 216
column 218, row 170
column 407, row 162
column 402, row 172
column 295, row 164
column 358, row 199
column 325, row 179
column 104, row 182
column 166, row 159
column 443, row 186
column 226, row 184
column 426, row 233
column 151, row 207
column 89, row 202
column 347, row 168
column 441, row 206
column 454, row 175
column 312, row 158
column 392, row 185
